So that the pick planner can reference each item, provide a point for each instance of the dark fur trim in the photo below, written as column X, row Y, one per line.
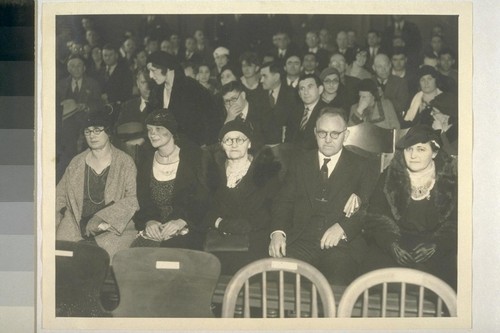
column 397, row 186
column 265, row 167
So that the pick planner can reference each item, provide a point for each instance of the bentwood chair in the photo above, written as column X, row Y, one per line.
column 403, row 291
column 80, row 272
column 274, row 291
column 165, row 282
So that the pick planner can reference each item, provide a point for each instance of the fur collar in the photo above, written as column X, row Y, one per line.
column 263, row 167
column 397, row 187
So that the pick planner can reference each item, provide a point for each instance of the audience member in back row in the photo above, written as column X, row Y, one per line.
column 412, row 215
column 96, row 197
column 372, row 108
column 247, row 182
column 300, row 128
column 334, row 93
column 282, row 100
column 191, row 104
column 116, row 78
column 391, row 87
column 172, row 191
column 420, row 109
column 130, row 128
column 317, row 216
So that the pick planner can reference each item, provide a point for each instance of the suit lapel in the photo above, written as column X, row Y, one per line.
column 310, row 165
column 339, row 176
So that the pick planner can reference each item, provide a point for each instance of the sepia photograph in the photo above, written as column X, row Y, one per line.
column 214, row 165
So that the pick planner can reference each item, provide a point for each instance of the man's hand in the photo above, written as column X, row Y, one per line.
column 423, row 252
column 153, row 230
column 352, row 205
column 401, row 255
column 277, row 247
column 233, row 112
column 332, row 236
column 93, row 226
column 171, row 228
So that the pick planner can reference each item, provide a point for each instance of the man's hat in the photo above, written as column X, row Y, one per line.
column 446, row 103
column 221, row 51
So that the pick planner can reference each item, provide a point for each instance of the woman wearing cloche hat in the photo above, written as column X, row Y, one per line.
column 412, row 215
column 170, row 188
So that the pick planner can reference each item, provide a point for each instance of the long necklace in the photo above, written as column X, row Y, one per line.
column 88, row 186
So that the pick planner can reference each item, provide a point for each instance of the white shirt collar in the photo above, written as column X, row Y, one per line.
column 244, row 112
column 293, row 83
column 276, row 92
column 333, row 161
column 311, row 106
column 142, row 107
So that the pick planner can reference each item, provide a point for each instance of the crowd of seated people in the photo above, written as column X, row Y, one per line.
column 172, row 141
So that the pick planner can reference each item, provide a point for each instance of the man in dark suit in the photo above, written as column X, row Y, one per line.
column 77, row 86
column 130, row 128
column 312, row 46
column 116, row 78
column 343, row 47
column 281, row 101
column 400, row 68
column 390, row 86
column 317, row 217
column 373, row 47
column 300, row 129
column 283, row 48
column 408, row 31
column 237, row 106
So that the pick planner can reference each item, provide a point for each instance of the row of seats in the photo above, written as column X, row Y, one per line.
column 169, row 282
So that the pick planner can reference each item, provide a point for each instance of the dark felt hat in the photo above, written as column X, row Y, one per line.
column 368, row 85
column 428, row 70
column 446, row 103
column 418, row 134
column 163, row 118
column 328, row 71
column 98, row 118
column 163, row 59
column 236, row 125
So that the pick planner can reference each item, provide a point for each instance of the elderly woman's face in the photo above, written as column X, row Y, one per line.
column 96, row 137
column 428, row 84
column 159, row 135
column 236, row 145
column 419, row 156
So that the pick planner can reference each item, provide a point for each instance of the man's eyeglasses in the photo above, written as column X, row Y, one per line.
column 231, row 141
column 96, row 131
column 231, row 101
column 333, row 134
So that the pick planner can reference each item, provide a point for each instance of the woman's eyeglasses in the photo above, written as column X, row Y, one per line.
column 333, row 134
column 231, row 141
column 96, row 131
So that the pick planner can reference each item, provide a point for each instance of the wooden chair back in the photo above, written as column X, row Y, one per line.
column 412, row 286
column 80, row 272
column 165, row 282
column 264, row 267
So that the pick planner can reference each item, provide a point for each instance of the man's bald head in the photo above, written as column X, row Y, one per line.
column 382, row 66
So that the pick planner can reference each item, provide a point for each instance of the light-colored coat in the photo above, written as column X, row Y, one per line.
column 120, row 188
